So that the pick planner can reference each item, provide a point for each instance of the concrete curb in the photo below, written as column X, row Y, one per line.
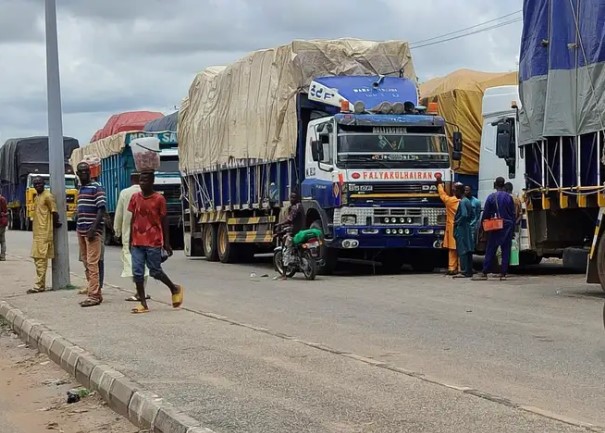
column 144, row 409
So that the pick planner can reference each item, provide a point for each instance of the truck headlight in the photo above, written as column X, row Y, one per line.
column 349, row 219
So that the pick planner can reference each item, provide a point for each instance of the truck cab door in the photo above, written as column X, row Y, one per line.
column 319, row 166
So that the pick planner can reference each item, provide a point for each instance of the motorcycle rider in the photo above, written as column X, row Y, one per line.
column 295, row 219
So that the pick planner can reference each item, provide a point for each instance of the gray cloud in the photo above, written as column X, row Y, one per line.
column 142, row 54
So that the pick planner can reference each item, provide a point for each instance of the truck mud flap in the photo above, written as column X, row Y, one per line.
column 592, row 274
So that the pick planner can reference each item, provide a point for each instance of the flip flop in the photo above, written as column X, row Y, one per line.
column 139, row 309
column 90, row 302
column 177, row 298
column 34, row 291
column 134, row 298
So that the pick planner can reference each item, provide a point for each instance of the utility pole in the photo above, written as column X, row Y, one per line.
column 60, row 264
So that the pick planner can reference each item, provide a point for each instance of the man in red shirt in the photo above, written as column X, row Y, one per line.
column 148, row 236
column 3, row 224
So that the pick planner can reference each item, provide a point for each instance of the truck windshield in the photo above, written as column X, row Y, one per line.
column 396, row 150
column 169, row 164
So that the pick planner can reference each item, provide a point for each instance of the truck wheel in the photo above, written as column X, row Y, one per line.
column 575, row 259
column 227, row 252
column 328, row 256
column 209, row 234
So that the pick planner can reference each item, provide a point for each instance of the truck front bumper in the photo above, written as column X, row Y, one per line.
column 387, row 237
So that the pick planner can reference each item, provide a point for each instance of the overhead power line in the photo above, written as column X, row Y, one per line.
column 485, row 29
column 467, row 31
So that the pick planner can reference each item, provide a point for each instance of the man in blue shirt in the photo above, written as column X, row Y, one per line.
column 499, row 204
column 91, row 209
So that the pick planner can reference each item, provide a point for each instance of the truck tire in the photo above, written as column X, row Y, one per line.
column 209, row 242
column 576, row 259
column 328, row 256
column 227, row 252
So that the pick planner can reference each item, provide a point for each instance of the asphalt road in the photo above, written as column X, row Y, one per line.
column 535, row 340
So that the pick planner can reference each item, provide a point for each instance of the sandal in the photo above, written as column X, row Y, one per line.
column 177, row 298
column 35, row 290
column 139, row 309
column 135, row 298
column 90, row 302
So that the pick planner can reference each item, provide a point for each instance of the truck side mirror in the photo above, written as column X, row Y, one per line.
column 317, row 150
column 505, row 141
column 457, row 141
column 456, row 156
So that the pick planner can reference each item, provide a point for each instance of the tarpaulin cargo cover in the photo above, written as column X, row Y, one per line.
column 562, row 81
column 248, row 109
column 123, row 122
column 166, row 123
column 22, row 156
column 460, row 96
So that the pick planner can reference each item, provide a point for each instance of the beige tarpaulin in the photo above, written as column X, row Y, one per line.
column 103, row 148
column 248, row 110
column 460, row 96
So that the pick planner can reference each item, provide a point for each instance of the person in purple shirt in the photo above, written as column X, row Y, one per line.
column 498, row 204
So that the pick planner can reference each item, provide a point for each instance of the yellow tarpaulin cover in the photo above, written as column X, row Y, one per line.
column 459, row 96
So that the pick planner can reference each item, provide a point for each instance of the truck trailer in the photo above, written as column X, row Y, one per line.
column 23, row 159
column 337, row 121
column 117, row 165
column 560, row 130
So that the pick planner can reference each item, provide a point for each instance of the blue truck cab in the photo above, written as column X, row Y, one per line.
column 366, row 163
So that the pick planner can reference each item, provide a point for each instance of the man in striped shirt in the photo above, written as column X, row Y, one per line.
column 91, row 209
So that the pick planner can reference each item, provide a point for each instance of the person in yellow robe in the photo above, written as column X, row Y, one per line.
column 45, row 218
column 449, row 242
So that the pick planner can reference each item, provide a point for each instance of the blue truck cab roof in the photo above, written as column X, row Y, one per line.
column 372, row 92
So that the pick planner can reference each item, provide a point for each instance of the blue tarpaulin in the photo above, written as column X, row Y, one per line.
column 561, row 68
column 166, row 123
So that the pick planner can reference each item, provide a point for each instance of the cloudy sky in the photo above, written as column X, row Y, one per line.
column 122, row 55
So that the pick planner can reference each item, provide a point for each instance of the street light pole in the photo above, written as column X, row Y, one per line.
column 60, row 264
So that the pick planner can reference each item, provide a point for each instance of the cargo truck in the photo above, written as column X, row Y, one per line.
column 23, row 159
column 117, row 165
column 559, row 133
column 355, row 145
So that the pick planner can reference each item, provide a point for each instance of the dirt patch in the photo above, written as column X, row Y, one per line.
column 33, row 395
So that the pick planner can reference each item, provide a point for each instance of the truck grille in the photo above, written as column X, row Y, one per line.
column 388, row 217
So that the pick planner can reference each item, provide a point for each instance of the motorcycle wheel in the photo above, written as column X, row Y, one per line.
column 278, row 264
column 308, row 266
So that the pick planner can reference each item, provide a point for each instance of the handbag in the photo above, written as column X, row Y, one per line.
column 493, row 224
